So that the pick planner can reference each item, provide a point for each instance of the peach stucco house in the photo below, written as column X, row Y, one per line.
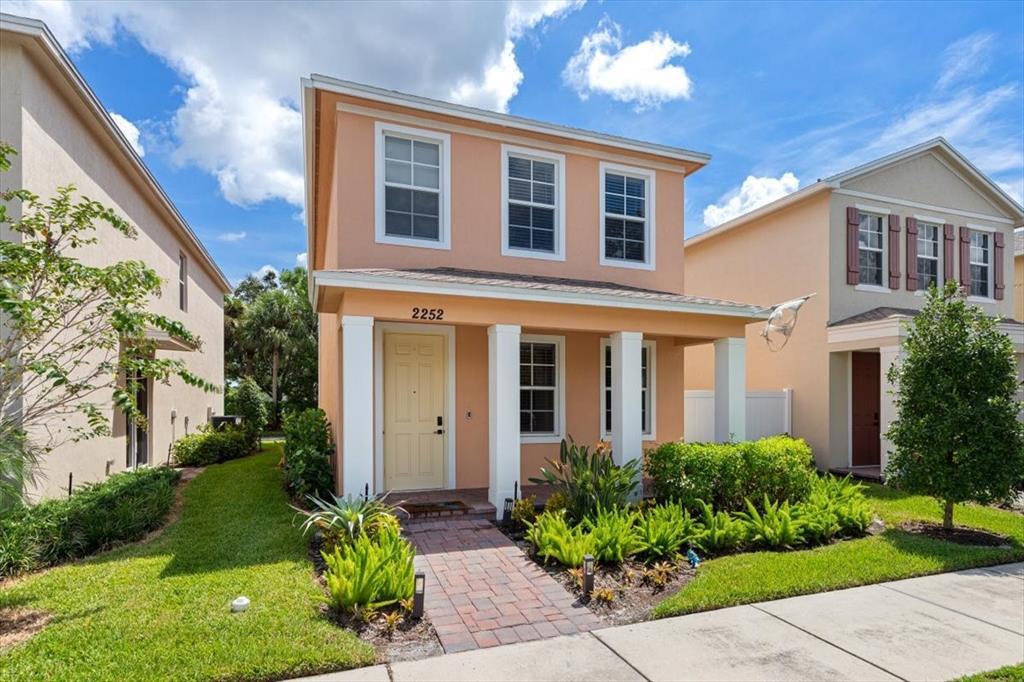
column 867, row 241
column 488, row 285
column 63, row 135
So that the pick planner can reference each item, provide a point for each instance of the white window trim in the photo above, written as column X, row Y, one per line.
column 649, row 223
column 559, row 241
column 939, row 253
column 559, row 433
column 876, row 288
column 382, row 128
column 990, row 283
column 652, row 388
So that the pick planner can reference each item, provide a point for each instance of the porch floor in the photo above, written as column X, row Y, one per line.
column 872, row 474
column 474, row 498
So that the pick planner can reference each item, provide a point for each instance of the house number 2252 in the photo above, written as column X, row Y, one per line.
column 428, row 313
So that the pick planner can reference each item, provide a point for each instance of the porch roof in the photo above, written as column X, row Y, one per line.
column 503, row 285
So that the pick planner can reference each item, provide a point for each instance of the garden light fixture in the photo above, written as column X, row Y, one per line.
column 419, row 586
column 239, row 604
column 588, row 575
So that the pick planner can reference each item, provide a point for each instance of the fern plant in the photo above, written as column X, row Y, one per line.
column 719, row 532
column 613, row 535
column 553, row 538
column 775, row 527
column 370, row 573
column 662, row 530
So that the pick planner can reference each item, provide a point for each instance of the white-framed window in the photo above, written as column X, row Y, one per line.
column 413, row 186
column 182, row 281
column 980, row 264
column 627, row 216
column 541, row 382
column 648, row 398
column 532, row 203
column 871, row 249
column 929, row 242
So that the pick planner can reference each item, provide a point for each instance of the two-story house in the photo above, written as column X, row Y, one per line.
column 868, row 242
column 488, row 285
column 64, row 136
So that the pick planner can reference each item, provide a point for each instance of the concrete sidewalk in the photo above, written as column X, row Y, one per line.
column 933, row 628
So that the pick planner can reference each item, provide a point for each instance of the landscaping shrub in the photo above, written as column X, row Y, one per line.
column 97, row 516
column 718, row 531
column 553, row 538
column 835, row 507
column 663, row 530
column 344, row 519
column 613, row 536
column 775, row 526
column 726, row 474
column 307, row 450
column 589, row 480
column 524, row 511
column 207, row 446
column 249, row 402
column 370, row 572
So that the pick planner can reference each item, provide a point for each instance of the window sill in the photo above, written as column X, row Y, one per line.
column 607, row 437
column 527, row 439
column 632, row 265
column 536, row 255
column 409, row 241
column 873, row 288
column 982, row 299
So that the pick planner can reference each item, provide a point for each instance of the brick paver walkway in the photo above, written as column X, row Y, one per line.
column 483, row 591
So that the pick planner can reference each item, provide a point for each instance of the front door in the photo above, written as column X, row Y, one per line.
column 415, row 369
column 866, row 394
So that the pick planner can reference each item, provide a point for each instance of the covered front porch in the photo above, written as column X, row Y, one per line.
column 445, row 380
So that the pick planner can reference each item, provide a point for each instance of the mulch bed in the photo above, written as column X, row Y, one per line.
column 961, row 536
column 632, row 584
column 409, row 640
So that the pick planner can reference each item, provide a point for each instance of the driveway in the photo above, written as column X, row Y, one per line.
column 933, row 628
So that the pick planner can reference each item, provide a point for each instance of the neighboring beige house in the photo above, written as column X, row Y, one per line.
column 488, row 285
column 65, row 136
column 868, row 242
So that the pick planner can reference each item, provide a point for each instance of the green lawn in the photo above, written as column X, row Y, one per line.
column 160, row 610
column 1010, row 673
column 758, row 576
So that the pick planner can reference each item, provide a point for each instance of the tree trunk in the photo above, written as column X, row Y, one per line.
column 947, row 516
column 273, row 382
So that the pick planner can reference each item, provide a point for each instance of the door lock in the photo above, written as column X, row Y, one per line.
column 440, row 423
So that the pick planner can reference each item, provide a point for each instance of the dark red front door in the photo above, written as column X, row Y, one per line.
column 867, row 398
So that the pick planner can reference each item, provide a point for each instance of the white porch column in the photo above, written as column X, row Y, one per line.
column 356, row 404
column 627, row 429
column 730, row 389
column 502, row 412
column 887, row 403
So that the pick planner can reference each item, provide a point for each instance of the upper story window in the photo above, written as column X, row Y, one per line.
column 927, row 255
column 182, row 281
column 540, row 387
column 627, row 217
column 980, row 263
column 413, row 195
column 870, row 248
column 647, row 377
column 533, row 205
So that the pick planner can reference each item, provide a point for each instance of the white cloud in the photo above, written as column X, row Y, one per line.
column 966, row 57
column 240, row 117
column 753, row 193
column 231, row 237
column 642, row 73
column 301, row 260
column 130, row 131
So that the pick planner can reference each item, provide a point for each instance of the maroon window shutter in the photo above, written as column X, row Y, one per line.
column 965, row 257
column 947, row 252
column 894, row 251
column 911, row 254
column 852, row 262
column 997, row 257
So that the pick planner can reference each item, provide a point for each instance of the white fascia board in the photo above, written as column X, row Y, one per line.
column 506, row 121
column 349, row 280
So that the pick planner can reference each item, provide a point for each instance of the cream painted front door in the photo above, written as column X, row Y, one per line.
column 415, row 423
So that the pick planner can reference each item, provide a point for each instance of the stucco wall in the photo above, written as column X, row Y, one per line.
column 1018, row 288
column 773, row 259
column 59, row 146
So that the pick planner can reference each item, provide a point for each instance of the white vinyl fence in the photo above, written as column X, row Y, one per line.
column 768, row 413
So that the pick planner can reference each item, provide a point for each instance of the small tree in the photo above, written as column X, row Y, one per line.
column 956, row 434
column 250, row 404
column 74, row 336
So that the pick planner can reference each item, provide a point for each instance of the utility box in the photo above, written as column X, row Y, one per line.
column 220, row 421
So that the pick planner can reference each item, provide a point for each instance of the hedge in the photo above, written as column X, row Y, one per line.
column 97, row 516
column 207, row 446
column 307, row 451
column 724, row 474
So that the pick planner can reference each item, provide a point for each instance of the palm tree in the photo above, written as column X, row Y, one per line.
column 266, row 326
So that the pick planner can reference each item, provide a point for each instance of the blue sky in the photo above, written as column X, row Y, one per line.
column 778, row 94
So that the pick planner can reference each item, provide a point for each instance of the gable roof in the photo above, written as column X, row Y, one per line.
column 53, row 55
column 836, row 181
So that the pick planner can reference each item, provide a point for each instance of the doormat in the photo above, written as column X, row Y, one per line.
column 442, row 508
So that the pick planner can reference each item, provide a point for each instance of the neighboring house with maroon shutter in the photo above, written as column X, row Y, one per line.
column 868, row 242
